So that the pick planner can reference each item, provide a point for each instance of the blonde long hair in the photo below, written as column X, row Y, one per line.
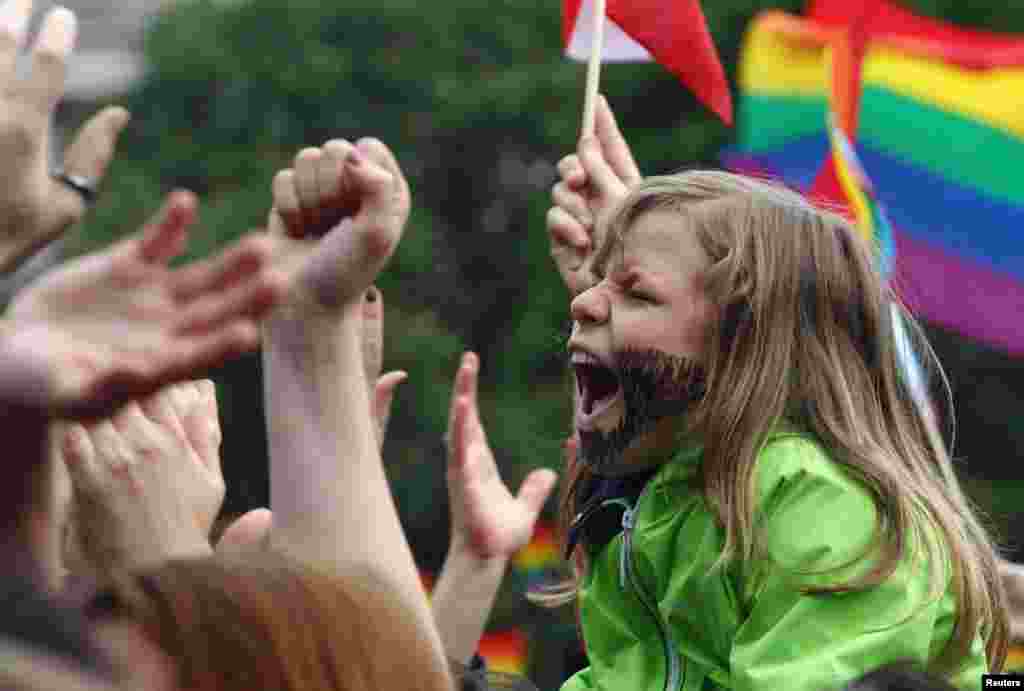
column 806, row 334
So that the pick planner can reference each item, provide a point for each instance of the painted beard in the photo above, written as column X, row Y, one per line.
column 655, row 385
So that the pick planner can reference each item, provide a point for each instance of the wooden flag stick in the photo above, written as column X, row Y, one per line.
column 594, row 69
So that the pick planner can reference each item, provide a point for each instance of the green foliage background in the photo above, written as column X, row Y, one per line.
column 478, row 104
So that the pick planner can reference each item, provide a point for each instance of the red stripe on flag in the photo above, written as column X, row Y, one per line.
column 969, row 48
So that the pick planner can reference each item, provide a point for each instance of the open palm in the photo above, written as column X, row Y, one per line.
column 485, row 515
column 120, row 324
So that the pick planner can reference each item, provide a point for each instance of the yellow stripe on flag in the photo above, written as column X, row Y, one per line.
column 781, row 58
column 778, row 64
column 973, row 94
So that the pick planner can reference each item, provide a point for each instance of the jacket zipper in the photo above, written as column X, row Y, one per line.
column 627, row 579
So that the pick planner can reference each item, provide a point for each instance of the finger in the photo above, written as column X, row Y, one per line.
column 613, row 144
column 286, row 202
column 238, row 263
column 378, row 152
column 462, row 386
column 469, row 382
column 570, row 448
column 352, row 254
column 458, row 456
column 573, row 202
column 202, row 424
column 161, row 410
column 78, row 453
column 45, row 85
column 536, row 489
column 572, row 171
column 250, row 531
column 568, row 235
column 383, row 398
column 331, row 178
column 14, row 16
column 111, row 454
column 602, row 179
column 93, row 148
column 166, row 235
column 134, row 429
column 373, row 333
column 249, row 299
column 307, row 163
column 186, row 359
column 377, row 219
column 183, row 397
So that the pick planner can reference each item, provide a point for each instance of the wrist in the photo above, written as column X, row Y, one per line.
column 311, row 338
column 462, row 549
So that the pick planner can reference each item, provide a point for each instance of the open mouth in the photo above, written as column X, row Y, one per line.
column 597, row 388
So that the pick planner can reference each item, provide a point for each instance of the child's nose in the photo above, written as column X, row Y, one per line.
column 590, row 306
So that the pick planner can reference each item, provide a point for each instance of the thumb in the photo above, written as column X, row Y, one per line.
column 250, row 531
column 87, row 157
column 380, row 218
column 383, row 397
column 536, row 489
column 166, row 234
column 93, row 148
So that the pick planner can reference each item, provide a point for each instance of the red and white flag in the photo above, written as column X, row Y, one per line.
column 671, row 32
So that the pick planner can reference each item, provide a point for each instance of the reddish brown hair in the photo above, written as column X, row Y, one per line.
column 265, row 622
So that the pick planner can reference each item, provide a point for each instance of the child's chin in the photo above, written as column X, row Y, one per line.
column 649, row 450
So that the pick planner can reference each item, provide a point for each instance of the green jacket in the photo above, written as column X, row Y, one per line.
column 656, row 617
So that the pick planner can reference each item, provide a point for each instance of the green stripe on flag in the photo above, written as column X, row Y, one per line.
column 767, row 122
column 959, row 149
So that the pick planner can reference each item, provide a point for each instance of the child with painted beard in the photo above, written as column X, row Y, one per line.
column 757, row 500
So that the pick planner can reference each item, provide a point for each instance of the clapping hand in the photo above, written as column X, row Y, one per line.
column 120, row 324
column 147, row 482
column 486, row 517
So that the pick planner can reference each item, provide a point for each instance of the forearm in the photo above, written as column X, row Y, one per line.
column 330, row 497
column 25, row 495
column 463, row 598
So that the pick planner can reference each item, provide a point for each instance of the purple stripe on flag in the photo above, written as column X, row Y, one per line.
column 960, row 295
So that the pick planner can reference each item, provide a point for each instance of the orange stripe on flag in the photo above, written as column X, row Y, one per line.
column 1015, row 658
column 505, row 651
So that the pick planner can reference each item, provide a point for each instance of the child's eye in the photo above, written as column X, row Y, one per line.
column 641, row 296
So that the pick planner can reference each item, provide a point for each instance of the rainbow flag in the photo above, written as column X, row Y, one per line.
column 540, row 558
column 1015, row 658
column 505, row 651
column 939, row 131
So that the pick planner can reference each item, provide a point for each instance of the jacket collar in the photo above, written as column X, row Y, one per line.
column 606, row 495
